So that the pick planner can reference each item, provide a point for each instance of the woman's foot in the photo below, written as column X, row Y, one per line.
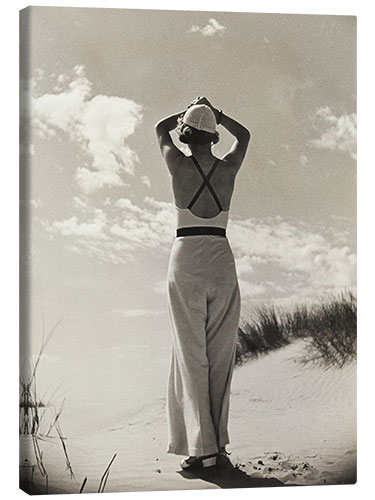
column 223, row 451
column 204, row 461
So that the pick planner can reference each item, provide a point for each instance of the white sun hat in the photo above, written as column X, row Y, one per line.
column 200, row 117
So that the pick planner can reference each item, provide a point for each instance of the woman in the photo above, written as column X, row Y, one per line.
column 203, row 293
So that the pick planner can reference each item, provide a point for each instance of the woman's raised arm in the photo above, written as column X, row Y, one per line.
column 238, row 150
column 170, row 152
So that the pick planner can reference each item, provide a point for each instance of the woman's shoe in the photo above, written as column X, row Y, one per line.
column 223, row 451
column 206, row 461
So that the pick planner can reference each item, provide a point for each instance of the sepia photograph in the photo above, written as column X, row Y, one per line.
column 188, row 243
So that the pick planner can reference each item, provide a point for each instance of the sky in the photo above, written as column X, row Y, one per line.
column 100, row 201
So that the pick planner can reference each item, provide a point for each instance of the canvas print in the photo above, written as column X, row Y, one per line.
column 187, row 250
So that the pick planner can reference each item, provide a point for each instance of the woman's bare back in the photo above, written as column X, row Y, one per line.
column 186, row 181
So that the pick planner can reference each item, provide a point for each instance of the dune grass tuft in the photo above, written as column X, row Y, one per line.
column 33, row 423
column 264, row 333
column 33, row 417
column 333, row 331
column 329, row 325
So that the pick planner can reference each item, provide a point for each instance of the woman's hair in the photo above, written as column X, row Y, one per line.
column 191, row 135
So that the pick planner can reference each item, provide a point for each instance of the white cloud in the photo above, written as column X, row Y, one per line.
column 160, row 205
column 92, row 181
column 145, row 179
column 127, row 205
column 305, row 258
column 61, row 110
column 340, row 218
column 118, row 236
column 100, row 125
column 303, row 160
column 107, row 250
column 93, row 229
column 79, row 203
column 337, row 132
column 212, row 28
column 149, row 227
column 36, row 203
column 273, row 257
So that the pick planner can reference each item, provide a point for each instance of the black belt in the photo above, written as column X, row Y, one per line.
column 200, row 230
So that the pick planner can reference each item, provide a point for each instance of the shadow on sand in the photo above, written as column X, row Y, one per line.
column 225, row 475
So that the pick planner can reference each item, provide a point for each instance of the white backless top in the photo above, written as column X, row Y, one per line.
column 186, row 218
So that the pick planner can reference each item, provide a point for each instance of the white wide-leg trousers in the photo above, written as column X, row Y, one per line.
column 204, row 306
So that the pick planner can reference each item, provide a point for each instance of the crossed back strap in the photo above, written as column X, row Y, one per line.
column 205, row 183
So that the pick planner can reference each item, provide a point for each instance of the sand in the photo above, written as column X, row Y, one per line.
column 290, row 424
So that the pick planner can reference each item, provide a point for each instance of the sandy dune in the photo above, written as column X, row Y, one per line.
column 290, row 424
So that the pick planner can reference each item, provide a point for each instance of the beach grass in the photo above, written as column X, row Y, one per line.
column 329, row 326
column 34, row 412
column 35, row 424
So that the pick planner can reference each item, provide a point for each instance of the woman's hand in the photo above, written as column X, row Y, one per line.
column 203, row 100
column 200, row 100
